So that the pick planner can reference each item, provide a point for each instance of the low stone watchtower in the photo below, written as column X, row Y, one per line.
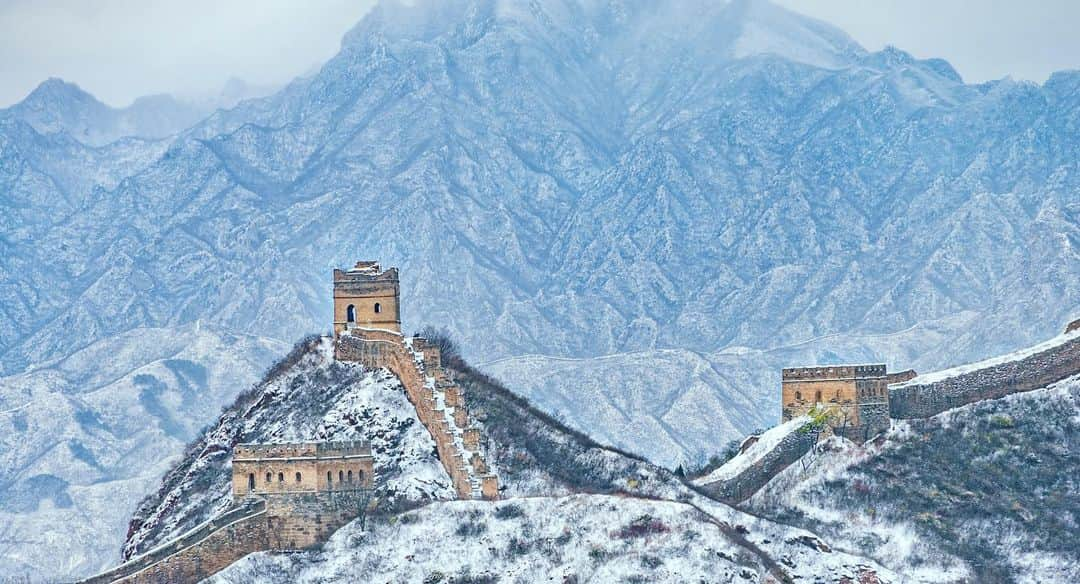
column 857, row 395
column 365, row 296
column 308, row 467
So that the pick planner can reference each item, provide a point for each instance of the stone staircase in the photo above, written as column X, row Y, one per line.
column 439, row 402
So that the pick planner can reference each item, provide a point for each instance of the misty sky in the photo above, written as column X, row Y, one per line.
column 121, row 49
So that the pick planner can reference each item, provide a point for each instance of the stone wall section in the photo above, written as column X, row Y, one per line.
column 740, row 487
column 922, row 400
column 277, row 522
column 438, row 400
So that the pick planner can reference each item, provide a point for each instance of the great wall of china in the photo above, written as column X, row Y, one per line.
column 916, row 397
column 268, row 516
column 280, row 513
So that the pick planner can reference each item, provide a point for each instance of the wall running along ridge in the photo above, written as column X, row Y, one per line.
column 278, row 522
column 922, row 400
column 438, row 401
column 740, row 487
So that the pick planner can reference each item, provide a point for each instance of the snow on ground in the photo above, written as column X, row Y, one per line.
column 767, row 441
column 896, row 500
column 580, row 538
column 991, row 362
column 318, row 399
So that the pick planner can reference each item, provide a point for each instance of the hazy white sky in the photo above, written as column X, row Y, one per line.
column 121, row 49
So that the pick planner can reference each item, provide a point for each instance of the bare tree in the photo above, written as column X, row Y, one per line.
column 358, row 503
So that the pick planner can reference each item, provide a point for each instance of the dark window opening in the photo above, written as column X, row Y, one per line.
column 251, row 482
column 341, row 476
column 360, row 476
column 269, row 477
column 818, row 396
column 798, row 395
column 350, row 313
column 378, row 308
column 329, row 477
column 280, row 477
column 297, row 477
column 350, row 476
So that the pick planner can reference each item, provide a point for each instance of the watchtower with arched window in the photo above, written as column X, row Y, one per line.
column 365, row 296
column 855, row 397
column 308, row 467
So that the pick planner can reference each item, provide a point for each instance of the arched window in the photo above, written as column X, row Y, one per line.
column 269, row 477
column 280, row 477
column 329, row 477
column 251, row 482
column 798, row 395
column 341, row 476
column 360, row 475
column 350, row 313
column 297, row 477
column 378, row 308
column 350, row 476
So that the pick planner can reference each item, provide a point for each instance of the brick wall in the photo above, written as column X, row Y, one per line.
column 276, row 522
column 437, row 398
column 739, row 488
column 921, row 400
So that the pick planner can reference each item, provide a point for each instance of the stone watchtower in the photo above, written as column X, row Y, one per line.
column 366, row 297
column 856, row 395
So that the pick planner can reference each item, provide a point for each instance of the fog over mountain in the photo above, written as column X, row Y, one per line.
column 624, row 183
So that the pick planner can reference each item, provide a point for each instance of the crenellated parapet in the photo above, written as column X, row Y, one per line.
column 439, row 402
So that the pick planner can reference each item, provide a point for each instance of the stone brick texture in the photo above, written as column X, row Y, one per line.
column 922, row 400
column 275, row 522
column 438, row 401
column 745, row 484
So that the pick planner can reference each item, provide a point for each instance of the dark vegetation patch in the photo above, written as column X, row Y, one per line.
column 1000, row 467
column 524, row 439
column 643, row 526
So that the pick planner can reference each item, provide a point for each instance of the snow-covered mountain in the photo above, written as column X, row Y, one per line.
column 669, row 185
column 84, row 438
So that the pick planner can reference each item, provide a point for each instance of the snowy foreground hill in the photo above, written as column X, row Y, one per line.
column 982, row 493
column 571, row 508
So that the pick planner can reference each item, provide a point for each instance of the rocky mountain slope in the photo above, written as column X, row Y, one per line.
column 570, row 179
column 83, row 439
column 589, row 178
column 986, row 492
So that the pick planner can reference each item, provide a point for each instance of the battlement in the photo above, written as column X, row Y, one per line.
column 417, row 363
column 856, row 396
column 834, row 372
column 307, row 467
column 366, row 296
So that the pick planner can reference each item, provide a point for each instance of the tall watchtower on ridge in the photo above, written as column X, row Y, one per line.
column 365, row 296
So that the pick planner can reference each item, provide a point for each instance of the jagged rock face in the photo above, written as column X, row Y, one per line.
column 579, row 178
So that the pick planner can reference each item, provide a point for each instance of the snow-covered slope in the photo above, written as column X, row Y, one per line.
column 754, row 453
column 539, row 462
column 59, row 107
column 576, row 179
column 84, row 438
column 680, row 407
column 306, row 396
column 580, row 538
column 984, row 493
